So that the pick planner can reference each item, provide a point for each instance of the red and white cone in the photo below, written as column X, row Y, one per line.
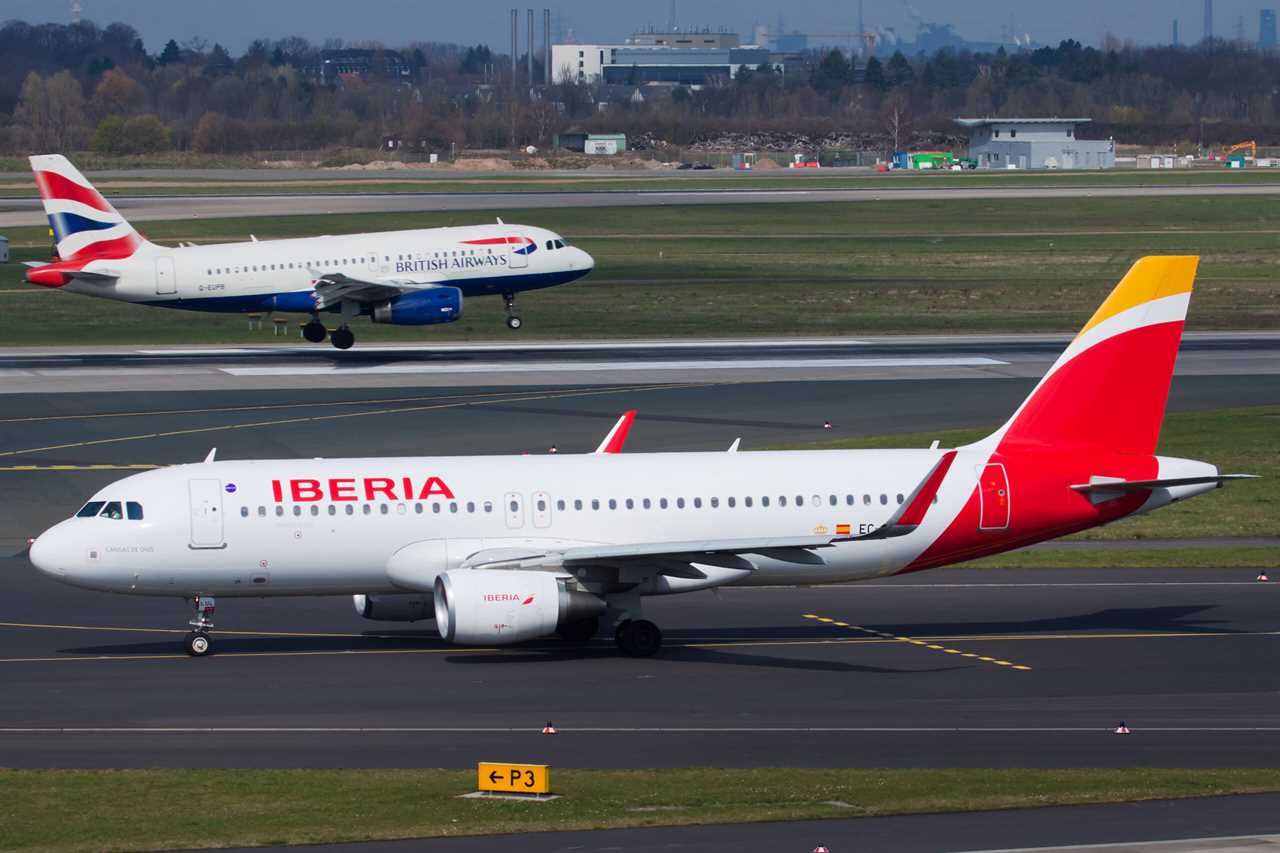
column 1122, row 729
column 821, row 848
column 553, row 449
column 1262, row 577
column 548, row 729
column 826, row 424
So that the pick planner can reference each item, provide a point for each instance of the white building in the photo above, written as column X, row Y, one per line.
column 1035, row 143
column 631, row 64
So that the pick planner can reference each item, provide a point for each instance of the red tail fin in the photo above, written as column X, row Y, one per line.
column 1110, row 386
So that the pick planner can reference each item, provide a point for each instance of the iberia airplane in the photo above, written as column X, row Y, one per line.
column 502, row 549
column 409, row 278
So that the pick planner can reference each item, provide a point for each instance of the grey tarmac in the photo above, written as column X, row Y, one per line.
column 1185, row 657
column 277, row 367
column 26, row 211
column 1158, row 826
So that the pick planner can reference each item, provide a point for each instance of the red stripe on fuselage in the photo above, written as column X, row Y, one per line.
column 55, row 187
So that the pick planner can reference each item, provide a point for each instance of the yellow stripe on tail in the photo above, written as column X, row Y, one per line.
column 1148, row 279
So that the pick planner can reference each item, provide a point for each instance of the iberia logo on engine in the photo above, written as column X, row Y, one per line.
column 506, row 596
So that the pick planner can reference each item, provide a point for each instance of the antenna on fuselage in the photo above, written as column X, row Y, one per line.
column 500, row 222
column 733, row 448
column 213, row 451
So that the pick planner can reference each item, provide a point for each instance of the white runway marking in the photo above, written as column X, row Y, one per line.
column 152, row 730
column 445, row 349
column 568, row 366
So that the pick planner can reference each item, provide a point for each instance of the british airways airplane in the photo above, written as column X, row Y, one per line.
column 408, row 278
column 502, row 549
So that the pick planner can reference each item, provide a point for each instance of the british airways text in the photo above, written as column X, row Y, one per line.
column 464, row 263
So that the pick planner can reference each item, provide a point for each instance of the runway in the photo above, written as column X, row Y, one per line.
column 70, row 369
column 1030, row 668
column 1145, row 827
column 26, row 211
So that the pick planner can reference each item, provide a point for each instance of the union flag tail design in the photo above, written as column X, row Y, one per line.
column 1108, row 389
column 84, row 224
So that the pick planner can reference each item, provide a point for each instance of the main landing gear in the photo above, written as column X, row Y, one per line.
column 315, row 332
column 342, row 337
column 198, row 643
column 638, row 638
column 513, row 320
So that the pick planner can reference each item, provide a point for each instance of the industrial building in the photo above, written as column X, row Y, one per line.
column 688, row 59
column 1035, row 143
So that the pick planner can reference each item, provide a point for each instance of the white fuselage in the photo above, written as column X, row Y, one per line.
column 280, row 274
column 315, row 527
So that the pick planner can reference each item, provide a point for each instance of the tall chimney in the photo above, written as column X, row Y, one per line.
column 515, row 43
column 530, row 41
column 1208, row 19
column 1175, row 32
column 546, row 47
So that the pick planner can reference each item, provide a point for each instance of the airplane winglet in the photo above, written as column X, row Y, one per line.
column 910, row 514
column 617, row 436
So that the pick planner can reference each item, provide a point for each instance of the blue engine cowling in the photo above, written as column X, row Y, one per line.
column 421, row 308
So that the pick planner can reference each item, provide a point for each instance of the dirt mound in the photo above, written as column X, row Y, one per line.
column 766, row 163
column 482, row 164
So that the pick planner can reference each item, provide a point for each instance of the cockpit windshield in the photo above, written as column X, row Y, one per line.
column 114, row 510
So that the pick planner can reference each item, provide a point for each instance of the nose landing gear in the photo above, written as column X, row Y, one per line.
column 198, row 643
column 513, row 320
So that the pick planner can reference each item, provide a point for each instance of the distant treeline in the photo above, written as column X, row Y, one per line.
column 80, row 86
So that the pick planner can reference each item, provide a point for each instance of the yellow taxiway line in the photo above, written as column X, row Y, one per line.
column 884, row 635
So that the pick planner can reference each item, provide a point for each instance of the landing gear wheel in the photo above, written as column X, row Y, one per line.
column 315, row 332
column 514, row 322
column 638, row 638
column 342, row 338
column 197, row 644
column 580, row 631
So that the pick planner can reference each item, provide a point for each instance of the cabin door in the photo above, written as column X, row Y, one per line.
column 166, row 278
column 993, row 496
column 206, row 514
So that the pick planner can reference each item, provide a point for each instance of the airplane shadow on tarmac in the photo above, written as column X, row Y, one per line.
column 681, row 648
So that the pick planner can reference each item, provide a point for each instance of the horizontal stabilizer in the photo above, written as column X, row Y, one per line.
column 1110, row 484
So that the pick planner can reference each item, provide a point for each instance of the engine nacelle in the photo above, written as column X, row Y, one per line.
column 421, row 308
column 395, row 608
column 497, row 607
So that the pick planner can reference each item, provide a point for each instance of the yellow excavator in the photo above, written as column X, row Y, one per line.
column 1250, row 146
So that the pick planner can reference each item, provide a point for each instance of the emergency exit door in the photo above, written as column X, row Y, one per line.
column 206, row 514
column 993, row 498
column 166, row 278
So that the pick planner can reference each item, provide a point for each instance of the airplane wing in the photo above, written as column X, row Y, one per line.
column 645, row 552
column 333, row 288
column 617, row 436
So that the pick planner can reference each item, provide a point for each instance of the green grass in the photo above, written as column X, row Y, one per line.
column 1239, row 441
column 1137, row 557
column 1018, row 265
column 83, row 810
column 454, row 181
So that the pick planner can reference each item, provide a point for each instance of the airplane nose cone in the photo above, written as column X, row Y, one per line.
column 588, row 262
column 50, row 554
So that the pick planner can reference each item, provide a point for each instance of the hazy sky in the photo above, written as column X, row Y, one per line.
column 235, row 22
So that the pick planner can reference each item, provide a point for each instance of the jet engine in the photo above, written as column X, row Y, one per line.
column 394, row 608
column 421, row 307
column 497, row 607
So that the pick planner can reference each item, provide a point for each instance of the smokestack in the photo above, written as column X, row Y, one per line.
column 1208, row 19
column 1175, row 32
column 515, row 43
column 546, row 47
column 530, row 40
